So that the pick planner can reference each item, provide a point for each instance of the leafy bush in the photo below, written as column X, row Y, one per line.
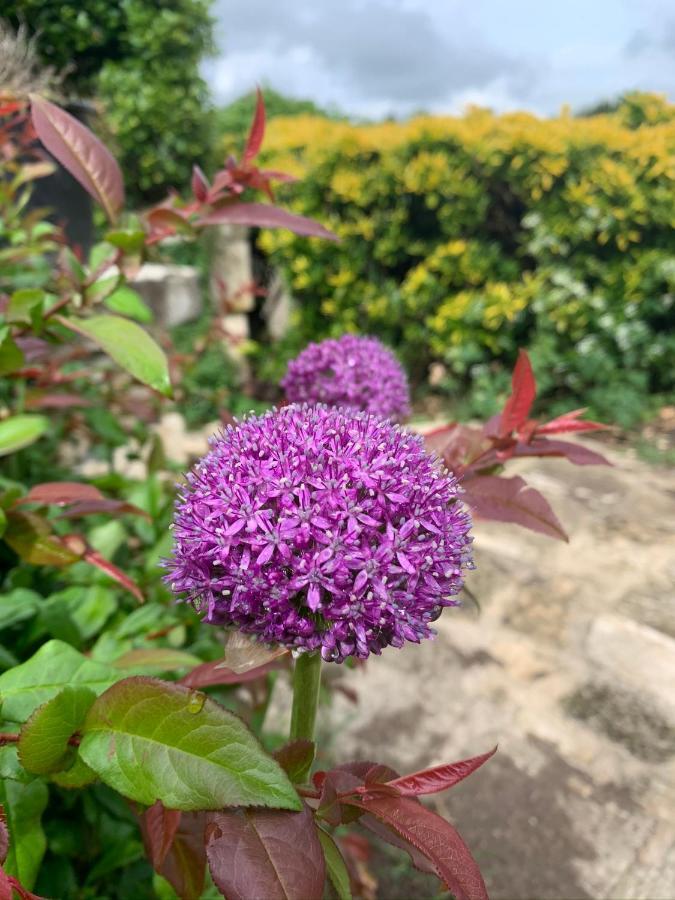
column 158, row 113
column 464, row 238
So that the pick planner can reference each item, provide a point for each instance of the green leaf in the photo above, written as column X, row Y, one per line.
column 128, row 303
column 43, row 740
column 17, row 606
column 87, row 608
column 130, row 241
column 3, row 521
column 29, row 535
column 21, row 431
column 335, row 866
column 79, row 775
column 129, row 346
column 21, row 304
column 24, row 805
column 47, row 672
column 102, row 288
column 11, row 357
column 10, row 767
column 156, row 660
column 152, row 740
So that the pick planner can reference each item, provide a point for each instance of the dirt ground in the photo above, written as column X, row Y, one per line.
column 569, row 666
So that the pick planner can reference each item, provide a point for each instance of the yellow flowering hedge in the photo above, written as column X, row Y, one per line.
column 464, row 238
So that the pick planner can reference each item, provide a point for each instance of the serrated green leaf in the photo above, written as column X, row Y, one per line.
column 17, row 606
column 47, row 672
column 130, row 347
column 21, row 431
column 43, row 740
column 335, row 866
column 128, row 303
column 152, row 740
column 24, row 805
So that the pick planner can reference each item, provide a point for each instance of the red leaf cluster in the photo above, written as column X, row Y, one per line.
column 217, row 202
column 477, row 455
column 278, row 854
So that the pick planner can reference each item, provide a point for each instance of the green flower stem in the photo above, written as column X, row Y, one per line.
column 306, row 683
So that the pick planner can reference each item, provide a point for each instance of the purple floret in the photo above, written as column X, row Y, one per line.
column 320, row 529
column 358, row 372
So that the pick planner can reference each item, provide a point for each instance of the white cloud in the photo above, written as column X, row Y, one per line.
column 379, row 57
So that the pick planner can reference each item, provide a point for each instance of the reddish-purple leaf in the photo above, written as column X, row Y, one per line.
column 81, row 153
column 105, row 505
column 575, row 453
column 55, row 401
column 185, row 864
column 6, row 887
column 433, row 837
column 457, row 445
column 165, row 219
column 511, row 500
column 34, row 349
column 158, row 827
column 262, row 215
column 200, row 184
column 61, row 493
column 268, row 853
column 10, row 885
column 523, row 392
column 295, row 758
column 570, row 422
column 213, row 673
column 257, row 132
column 391, row 837
column 174, row 843
column 95, row 559
column 438, row 778
column 274, row 175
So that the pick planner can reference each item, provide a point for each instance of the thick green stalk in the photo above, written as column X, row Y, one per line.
column 306, row 683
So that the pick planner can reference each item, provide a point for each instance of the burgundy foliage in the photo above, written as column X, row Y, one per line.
column 174, row 844
column 478, row 455
column 219, row 201
column 81, row 153
column 265, row 853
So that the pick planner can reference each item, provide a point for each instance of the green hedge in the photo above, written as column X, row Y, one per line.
column 464, row 238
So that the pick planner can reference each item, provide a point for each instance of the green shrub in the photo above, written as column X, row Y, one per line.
column 141, row 59
column 465, row 238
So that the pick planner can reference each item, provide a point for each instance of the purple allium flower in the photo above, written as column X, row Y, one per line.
column 359, row 372
column 320, row 529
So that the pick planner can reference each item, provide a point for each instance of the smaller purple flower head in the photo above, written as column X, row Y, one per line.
column 320, row 529
column 358, row 372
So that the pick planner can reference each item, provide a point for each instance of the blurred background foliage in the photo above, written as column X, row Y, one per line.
column 139, row 61
column 465, row 238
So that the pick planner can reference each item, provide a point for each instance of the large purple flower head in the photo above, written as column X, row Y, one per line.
column 358, row 372
column 320, row 529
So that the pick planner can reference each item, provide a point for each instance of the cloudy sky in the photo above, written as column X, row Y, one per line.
column 391, row 57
